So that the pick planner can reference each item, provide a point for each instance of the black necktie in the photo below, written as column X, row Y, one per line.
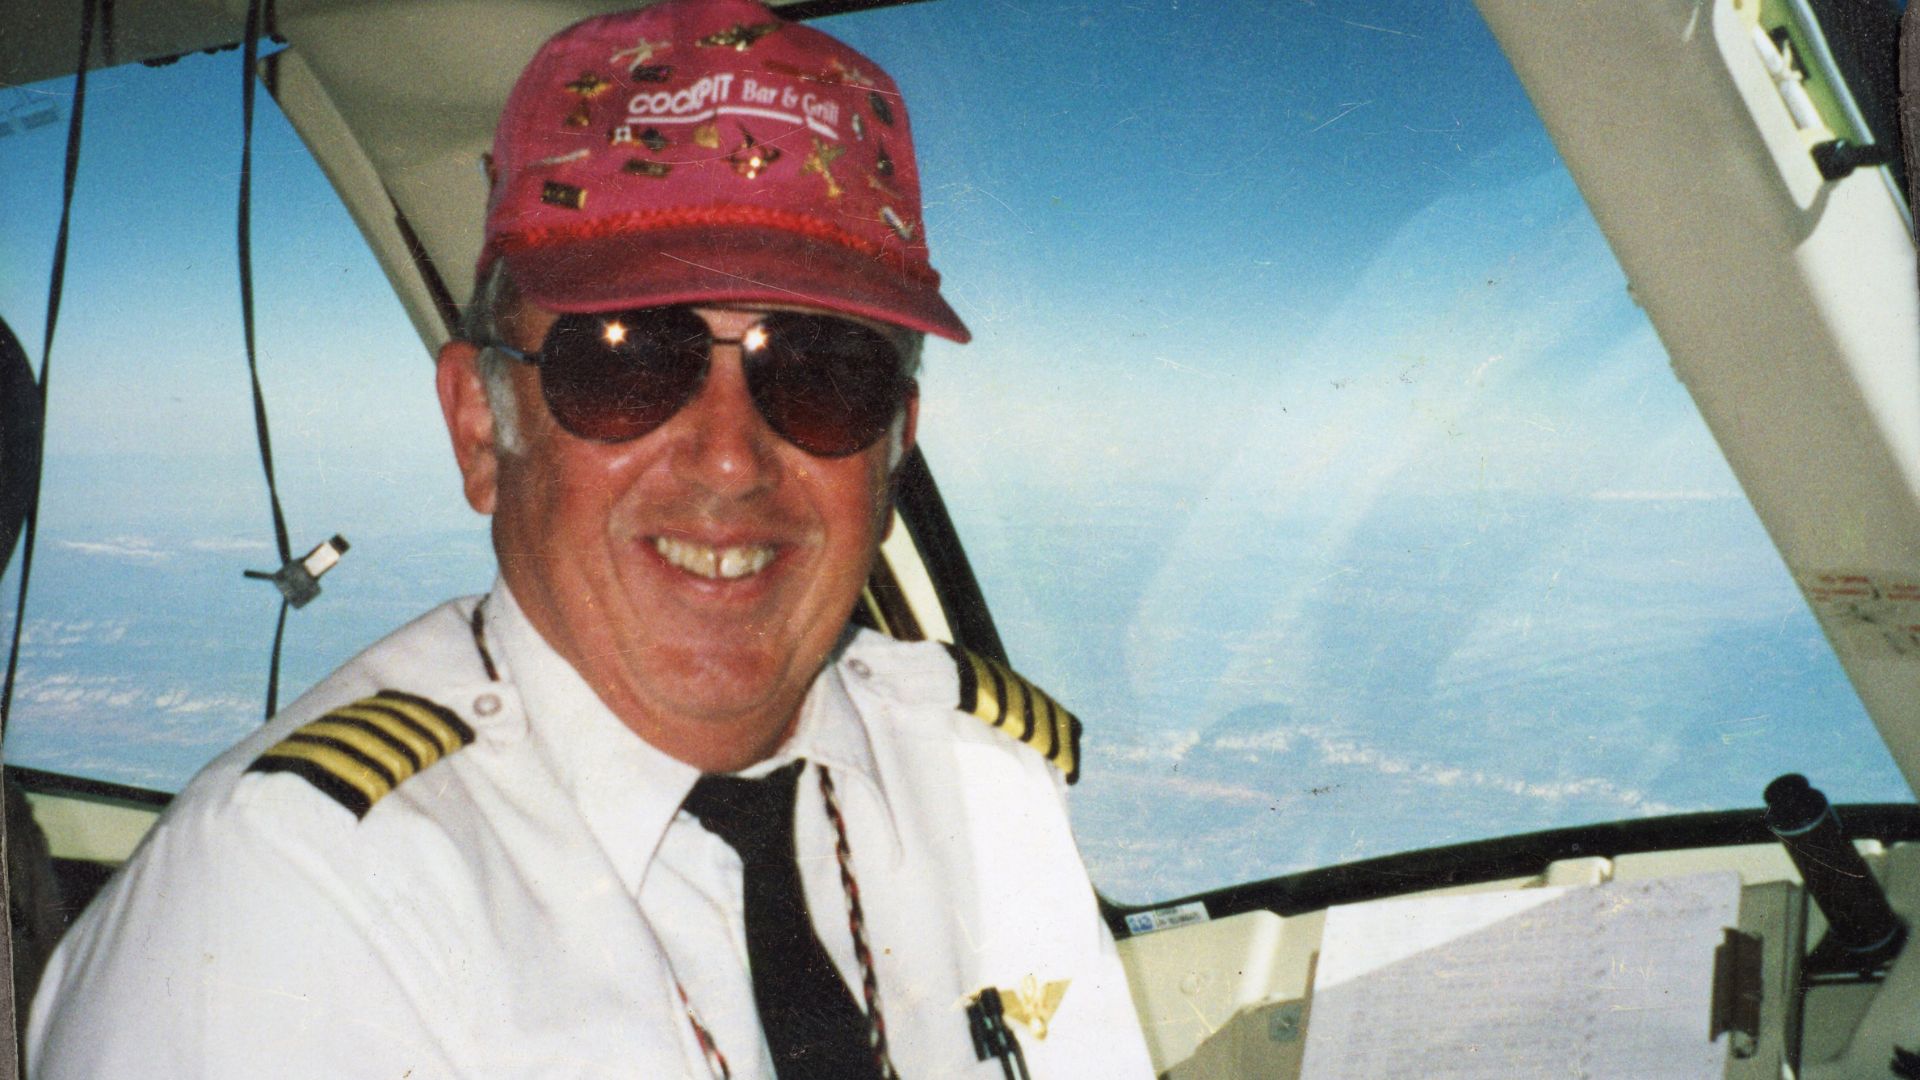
column 812, row 1025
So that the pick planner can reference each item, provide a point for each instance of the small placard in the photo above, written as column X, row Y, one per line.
column 1166, row 918
column 1867, row 613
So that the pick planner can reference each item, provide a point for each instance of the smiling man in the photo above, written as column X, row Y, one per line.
column 651, row 807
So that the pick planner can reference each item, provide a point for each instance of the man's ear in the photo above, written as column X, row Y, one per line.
column 463, row 402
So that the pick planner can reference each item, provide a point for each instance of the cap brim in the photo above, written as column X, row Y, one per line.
column 703, row 265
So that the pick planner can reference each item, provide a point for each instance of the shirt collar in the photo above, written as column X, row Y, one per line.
column 626, row 790
column 833, row 733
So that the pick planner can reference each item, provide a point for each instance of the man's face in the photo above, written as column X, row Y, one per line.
column 696, row 576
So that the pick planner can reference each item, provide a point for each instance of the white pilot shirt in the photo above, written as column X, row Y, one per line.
column 534, row 903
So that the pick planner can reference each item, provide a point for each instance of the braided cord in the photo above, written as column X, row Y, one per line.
column 716, row 1061
column 857, row 922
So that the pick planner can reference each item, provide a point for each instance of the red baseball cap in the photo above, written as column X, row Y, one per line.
column 701, row 151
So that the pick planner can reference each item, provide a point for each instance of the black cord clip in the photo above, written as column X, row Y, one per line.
column 1839, row 157
column 299, row 579
column 992, row 1038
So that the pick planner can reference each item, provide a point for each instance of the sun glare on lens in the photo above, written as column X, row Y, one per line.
column 616, row 333
column 755, row 340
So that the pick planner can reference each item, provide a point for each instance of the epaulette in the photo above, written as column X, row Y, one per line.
column 992, row 691
column 358, row 753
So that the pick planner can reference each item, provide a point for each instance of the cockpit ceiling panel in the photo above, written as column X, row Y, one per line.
column 42, row 37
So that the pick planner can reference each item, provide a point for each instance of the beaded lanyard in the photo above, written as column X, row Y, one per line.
column 856, row 918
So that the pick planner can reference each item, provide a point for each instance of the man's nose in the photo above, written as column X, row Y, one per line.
column 724, row 444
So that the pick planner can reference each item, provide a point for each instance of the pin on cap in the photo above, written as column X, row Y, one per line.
column 704, row 151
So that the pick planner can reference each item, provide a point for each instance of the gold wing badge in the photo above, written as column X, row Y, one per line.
column 989, row 1009
column 1032, row 1003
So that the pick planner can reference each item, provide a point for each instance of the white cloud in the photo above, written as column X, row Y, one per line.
column 229, row 543
column 138, row 549
column 1205, row 790
column 1170, row 747
column 184, row 704
column 1277, row 741
column 127, row 711
column 1346, row 751
column 1159, row 764
column 58, row 633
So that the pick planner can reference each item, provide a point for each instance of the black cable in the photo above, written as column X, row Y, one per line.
column 109, row 35
column 54, row 286
column 250, row 59
column 992, row 1038
column 273, row 669
column 250, row 55
column 1019, row 1055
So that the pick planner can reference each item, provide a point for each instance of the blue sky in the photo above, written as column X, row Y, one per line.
column 154, row 495
column 1309, row 441
column 149, row 360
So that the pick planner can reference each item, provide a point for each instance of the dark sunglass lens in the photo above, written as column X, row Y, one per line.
column 829, row 386
column 618, row 376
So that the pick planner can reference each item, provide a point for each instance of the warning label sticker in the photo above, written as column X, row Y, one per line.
column 1867, row 614
column 1166, row 918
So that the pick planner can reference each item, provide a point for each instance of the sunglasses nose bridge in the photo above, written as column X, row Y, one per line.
column 722, row 443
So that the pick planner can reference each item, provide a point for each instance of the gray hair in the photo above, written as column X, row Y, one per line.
column 479, row 324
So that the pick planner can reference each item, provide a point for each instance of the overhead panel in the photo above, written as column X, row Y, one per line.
column 40, row 39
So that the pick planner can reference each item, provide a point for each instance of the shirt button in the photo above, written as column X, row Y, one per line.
column 860, row 668
column 486, row 704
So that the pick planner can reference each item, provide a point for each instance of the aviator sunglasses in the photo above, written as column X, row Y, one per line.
column 825, row 384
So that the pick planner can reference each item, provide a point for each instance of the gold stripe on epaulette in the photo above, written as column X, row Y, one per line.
column 996, row 694
column 423, row 747
column 391, row 758
column 358, row 753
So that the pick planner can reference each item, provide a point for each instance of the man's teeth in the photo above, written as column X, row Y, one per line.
column 727, row 563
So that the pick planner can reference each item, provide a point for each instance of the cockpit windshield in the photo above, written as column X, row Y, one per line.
column 1313, row 447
